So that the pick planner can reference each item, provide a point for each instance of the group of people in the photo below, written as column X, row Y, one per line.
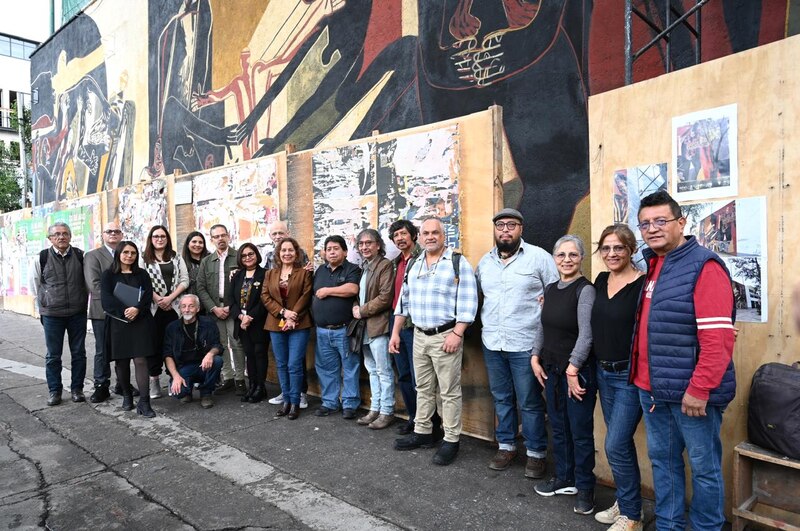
column 655, row 344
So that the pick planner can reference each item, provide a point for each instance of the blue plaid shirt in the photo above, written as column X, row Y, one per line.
column 431, row 296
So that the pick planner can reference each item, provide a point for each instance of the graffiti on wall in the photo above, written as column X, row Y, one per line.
column 228, row 81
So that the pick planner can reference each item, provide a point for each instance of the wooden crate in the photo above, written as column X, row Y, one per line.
column 766, row 489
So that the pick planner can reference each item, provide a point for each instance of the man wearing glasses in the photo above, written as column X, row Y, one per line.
column 60, row 291
column 441, row 306
column 95, row 262
column 214, row 291
column 512, row 277
column 681, row 361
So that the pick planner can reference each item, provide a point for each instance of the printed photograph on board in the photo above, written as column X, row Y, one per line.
column 704, row 154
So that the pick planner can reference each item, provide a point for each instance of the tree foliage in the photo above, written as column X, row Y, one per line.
column 10, row 192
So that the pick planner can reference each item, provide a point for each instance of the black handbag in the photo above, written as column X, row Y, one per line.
column 355, row 332
column 773, row 414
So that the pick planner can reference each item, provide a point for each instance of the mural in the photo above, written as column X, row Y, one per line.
column 225, row 81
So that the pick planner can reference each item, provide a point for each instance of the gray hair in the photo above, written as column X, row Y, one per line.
column 191, row 296
column 570, row 238
column 375, row 236
column 58, row 224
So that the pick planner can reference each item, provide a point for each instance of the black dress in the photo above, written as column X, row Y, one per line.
column 134, row 339
column 613, row 319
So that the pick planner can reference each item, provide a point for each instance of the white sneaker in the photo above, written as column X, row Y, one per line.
column 303, row 401
column 623, row 523
column 155, row 387
column 277, row 399
column 609, row 516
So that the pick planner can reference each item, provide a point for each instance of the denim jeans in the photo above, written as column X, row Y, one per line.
column 290, row 357
column 510, row 375
column 337, row 369
column 102, row 366
column 54, row 329
column 192, row 373
column 622, row 413
column 669, row 432
column 572, row 424
column 404, row 360
column 381, row 378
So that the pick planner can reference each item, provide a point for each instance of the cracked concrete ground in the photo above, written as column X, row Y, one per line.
column 236, row 466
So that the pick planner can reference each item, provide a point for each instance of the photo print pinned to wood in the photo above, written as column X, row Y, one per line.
column 705, row 154
column 630, row 186
column 736, row 231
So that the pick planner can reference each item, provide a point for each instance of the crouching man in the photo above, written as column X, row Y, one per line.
column 193, row 353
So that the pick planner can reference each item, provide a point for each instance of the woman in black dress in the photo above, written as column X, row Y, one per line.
column 129, row 327
column 249, row 316
column 613, row 317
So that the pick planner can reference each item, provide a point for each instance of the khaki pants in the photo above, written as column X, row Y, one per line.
column 433, row 366
column 233, row 366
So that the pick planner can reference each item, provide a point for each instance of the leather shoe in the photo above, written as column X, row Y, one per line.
column 54, row 399
column 294, row 412
column 241, row 388
column 405, row 428
column 383, row 421
column 100, row 394
column 143, row 408
column 502, row 459
column 348, row 413
column 414, row 441
column 226, row 386
column 446, row 453
column 368, row 418
column 127, row 402
column 284, row 410
column 78, row 396
column 535, row 468
column 323, row 411
column 258, row 395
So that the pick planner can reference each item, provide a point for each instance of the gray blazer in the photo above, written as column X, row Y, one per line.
column 94, row 263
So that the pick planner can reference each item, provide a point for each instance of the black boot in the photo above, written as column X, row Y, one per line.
column 143, row 408
column 249, row 393
column 259, row 394
column 284, row 410
column 127, row 402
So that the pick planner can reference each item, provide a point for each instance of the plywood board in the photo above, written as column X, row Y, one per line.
column 632, row 126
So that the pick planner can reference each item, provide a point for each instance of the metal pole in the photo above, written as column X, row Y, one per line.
column 628, row 43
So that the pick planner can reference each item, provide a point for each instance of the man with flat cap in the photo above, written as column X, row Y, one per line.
column 512, row 277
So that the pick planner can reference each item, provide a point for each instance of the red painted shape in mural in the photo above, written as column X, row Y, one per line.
column 520, row 12
column 385, row 26
column 463, row 24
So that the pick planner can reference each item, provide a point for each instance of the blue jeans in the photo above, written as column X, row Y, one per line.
column 622, row 412
column 290, row 357
column 102, row 366
column 381, row 378
column 669, row 432
column 510, row 375
column 572, row 424
column 192, row 373
column 337, row 369
column 54, row 329
column 404, row 360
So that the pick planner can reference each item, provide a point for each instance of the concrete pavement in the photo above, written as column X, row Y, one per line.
column 235, row 466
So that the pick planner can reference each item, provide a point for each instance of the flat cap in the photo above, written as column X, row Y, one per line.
column 508, row 213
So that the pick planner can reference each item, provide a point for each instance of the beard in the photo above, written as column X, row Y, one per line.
column 187, row 317
column 508, row 248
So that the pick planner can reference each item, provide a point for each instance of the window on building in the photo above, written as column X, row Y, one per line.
column 11, row 47
column 5, row 45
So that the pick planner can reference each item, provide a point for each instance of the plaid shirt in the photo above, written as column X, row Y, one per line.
column 431, row 296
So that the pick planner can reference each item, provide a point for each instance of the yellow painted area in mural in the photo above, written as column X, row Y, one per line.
column 234, row 23
column 310, row 73
column 410, row 17
column 347, row 125
column 68, row 73
column 324, row 118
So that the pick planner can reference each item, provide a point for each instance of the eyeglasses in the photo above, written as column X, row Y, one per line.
column 112, row 231
column 659, row 223
column 159, row 236
column 218, row 236
column 510, row 225
column 618, row 249
column 560, row 257
column 249, row 255
column 366, row 243
column 59, row 235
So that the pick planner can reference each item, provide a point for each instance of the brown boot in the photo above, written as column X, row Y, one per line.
column 368, row 418
column 383, row 421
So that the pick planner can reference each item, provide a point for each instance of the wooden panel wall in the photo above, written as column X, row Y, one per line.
column 632, row 126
